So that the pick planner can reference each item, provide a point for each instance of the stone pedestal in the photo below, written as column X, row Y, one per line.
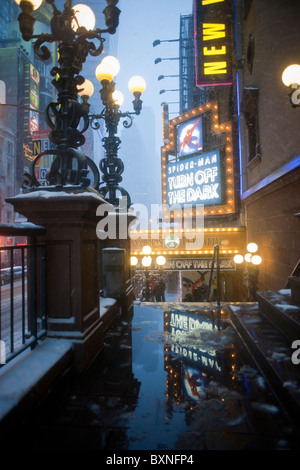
column 72, row 266
column 122, row 220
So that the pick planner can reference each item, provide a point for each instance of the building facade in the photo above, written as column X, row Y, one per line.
column 269, row 135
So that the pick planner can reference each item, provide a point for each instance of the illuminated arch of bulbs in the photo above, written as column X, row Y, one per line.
column 170, row 148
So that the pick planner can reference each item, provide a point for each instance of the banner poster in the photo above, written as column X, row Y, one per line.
column 195, row 286
column 34, row 90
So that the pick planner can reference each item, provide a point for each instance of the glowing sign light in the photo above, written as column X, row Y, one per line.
column 195, row 180
column 213, row 42
column 219, row 173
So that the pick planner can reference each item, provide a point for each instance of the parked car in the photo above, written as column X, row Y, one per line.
column 6, row 274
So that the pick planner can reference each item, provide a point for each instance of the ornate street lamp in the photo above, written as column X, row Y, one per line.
column 160, row 261
column 291, row 78
column 75, row 41
column 252, row 260
column 146, row 262
column 112, row 166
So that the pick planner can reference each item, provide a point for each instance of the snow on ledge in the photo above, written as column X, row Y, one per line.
column 54, row 194
column 105, row 303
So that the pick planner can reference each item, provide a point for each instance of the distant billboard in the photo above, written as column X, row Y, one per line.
column 195, row 180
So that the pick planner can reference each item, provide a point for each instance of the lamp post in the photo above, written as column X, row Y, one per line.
column 158, row 41
column 291, row 79
column 160, row 77
column 75, row 41
column 112, row 166
column 164, row 91
column 159, row 59
column 252, row 261
column 146, row 263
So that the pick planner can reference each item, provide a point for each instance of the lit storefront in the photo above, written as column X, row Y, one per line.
column 193, row 266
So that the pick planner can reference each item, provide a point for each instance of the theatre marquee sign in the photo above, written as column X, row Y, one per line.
column 197, row 264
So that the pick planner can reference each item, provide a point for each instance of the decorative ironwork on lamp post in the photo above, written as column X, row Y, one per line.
column 112, row 166
column 75, row 42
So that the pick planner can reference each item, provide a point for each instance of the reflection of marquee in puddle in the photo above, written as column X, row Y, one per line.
column 190, row 366
column 181, row 326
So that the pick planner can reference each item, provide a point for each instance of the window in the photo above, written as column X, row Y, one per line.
column 10, row 148
column 250, row 110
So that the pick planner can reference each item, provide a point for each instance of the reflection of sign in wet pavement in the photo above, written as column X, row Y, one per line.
column 188, row 344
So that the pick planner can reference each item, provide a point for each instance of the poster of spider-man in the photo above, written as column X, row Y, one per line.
column 194, row 382
column 189, row 137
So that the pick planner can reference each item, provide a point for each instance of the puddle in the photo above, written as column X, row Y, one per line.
column 198, row 387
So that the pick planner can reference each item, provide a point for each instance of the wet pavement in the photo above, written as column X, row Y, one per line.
column 175, row 377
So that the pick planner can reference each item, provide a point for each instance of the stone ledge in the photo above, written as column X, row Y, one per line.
column 28, row 377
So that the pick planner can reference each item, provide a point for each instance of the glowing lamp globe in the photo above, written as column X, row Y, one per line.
column 291, row 75
column 118, row 97
column 248, row 257
column 146, row 250
column 87, row 89
column 137, row 84
column 35, row 3
column 133, row 261
column 238, row 259
column 256, row 259
column 114, row 63
column 160, row 260
column 104, row 71
column 85, row 17
column 252, row 247
column 146, row 261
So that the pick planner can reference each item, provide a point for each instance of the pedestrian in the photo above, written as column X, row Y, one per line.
column 161, row 290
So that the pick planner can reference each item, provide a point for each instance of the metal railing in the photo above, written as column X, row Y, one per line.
column 22, row 290
column 215, row 260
